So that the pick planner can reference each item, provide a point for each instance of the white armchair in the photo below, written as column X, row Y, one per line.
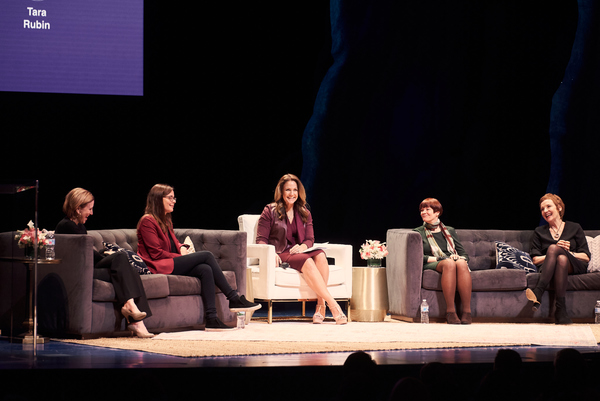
column 272, row 284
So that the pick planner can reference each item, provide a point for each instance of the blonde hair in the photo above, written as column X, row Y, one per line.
column 76, row 199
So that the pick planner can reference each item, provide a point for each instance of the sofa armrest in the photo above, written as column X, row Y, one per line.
column 266, row 269
column 65, row 289
column 229, row 248
column 404, row 271
column 342, row 255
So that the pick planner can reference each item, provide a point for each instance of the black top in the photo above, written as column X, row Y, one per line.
column 68, row 226
column 572, row 232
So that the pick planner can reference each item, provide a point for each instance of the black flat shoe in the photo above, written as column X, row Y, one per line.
column 241, row 304
column 215, row 324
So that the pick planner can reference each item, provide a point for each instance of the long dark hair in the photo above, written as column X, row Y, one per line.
column 301, row 206
column 156, row 208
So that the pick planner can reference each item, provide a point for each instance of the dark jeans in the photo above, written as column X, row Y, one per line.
column 204, row 266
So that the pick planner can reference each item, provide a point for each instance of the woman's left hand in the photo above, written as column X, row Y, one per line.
column 566, row 245
column 298, row 249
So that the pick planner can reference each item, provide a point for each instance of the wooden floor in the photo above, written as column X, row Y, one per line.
column 68, row 371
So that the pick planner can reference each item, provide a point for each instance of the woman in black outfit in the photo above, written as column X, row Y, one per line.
column 115, row 268
column 561, row 249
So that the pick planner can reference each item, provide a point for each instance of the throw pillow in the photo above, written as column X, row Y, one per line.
column 188, row 241
column 134, row 259
column 594, row 245
column 509, row 257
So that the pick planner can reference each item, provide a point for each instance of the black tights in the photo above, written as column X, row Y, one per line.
column 556, row 266
column 204, row 266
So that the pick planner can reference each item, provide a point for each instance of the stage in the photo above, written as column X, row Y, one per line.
column 72, row 371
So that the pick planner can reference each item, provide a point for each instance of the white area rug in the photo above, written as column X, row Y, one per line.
column 386, row 332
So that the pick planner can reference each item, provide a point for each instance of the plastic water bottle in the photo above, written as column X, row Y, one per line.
column 50, row 242
column 424, row 312
column 241, row 320
column 597, row 311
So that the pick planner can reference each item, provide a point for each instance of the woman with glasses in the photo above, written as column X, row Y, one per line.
column 164, row 254
column 114, row 268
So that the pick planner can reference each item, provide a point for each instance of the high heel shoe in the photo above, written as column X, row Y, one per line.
column 136, row 330
column 136, row 316
column 340, row 317
column 319, row 315
column 533, row 298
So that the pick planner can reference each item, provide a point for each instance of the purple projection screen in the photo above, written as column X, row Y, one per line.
column 72, row 46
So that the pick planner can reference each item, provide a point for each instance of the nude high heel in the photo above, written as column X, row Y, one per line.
column 319, row 315
column 339, row 317
column 135, row 329
column 133, row 315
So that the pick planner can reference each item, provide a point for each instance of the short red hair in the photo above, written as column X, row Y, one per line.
column 557, row 201
column 433, row 204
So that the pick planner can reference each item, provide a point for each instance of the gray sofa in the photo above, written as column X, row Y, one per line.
column 498, row 294
column 71, row 303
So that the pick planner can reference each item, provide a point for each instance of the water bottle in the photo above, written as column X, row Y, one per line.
column 50, row 242
column 424, row 312
column 241, row 320
column 597, row 311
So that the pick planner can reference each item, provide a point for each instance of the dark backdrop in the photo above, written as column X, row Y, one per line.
column 376, row 105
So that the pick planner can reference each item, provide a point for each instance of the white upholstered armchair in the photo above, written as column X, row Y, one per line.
column 272, row 284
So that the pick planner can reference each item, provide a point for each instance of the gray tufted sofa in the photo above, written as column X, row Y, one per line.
column 498, row 294
column 72, row 303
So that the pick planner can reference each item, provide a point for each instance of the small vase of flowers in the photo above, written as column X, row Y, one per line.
column 373, row 252
column 26, row 239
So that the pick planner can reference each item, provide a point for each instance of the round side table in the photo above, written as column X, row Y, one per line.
column 369, row 302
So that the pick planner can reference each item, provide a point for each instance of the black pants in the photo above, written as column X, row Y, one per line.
column 204, row 266
column 125, row 279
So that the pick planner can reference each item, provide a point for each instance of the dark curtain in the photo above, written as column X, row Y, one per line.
column 450, row 100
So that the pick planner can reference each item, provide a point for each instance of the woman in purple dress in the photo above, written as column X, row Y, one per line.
column 287, row 224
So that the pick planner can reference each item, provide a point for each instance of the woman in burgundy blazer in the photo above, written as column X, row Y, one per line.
column 164, row 254
column 287, row 224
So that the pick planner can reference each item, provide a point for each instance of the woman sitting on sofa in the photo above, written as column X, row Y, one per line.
column 164, row 254
column 561, row 249
column 115, row 268
column 444, row 253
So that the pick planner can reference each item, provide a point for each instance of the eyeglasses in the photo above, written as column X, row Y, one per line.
column 171, row 198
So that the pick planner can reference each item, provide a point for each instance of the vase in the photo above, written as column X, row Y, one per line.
column 29, row 252
column 373, row 262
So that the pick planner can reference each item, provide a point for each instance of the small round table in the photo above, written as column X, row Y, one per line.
column 369, row 301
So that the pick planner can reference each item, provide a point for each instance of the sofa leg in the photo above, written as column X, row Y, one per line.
column 270, row 313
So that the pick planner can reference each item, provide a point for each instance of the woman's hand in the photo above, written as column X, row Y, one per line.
column 277, row 260
column 566, row 245
column 183, row 250
column 298, row 249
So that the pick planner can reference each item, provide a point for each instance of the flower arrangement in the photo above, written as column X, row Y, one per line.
column 373, row 251
column 26, row 237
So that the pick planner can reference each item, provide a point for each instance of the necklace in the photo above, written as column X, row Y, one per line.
column 556, row 233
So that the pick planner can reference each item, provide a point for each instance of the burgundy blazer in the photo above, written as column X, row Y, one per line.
column 154, row 246
column 273, row 231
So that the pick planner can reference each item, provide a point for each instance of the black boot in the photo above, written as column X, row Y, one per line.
column 560, row 315
column 215, row 324
column 241, row 304
column 535, row 296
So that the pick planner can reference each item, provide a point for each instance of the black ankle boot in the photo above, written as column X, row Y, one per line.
column 560, row 315
column 241, row 304
column 215, row 324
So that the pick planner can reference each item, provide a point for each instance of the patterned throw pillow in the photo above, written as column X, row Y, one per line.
column 594, row 245
column 134, row 259
column 509, row 257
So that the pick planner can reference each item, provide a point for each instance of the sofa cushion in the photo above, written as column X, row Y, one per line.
column 134, row 259
column 576, row 282
column 483, row 280
column 291, row 278
column 509, row 257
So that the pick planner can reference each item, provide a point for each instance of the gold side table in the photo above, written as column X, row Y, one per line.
column 369, row 301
